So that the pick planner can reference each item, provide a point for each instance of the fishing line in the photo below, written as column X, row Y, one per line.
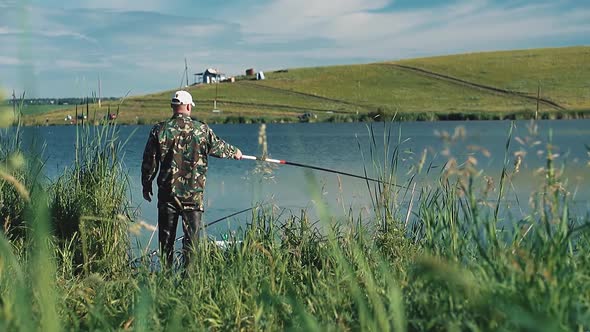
column 205, row 226
column 285, row 162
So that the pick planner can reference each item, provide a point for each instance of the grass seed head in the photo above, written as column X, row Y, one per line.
column 6, row 117
column 16, row 161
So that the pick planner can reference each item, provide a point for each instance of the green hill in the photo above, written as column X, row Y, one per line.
column 478, row 85
column 563, row 74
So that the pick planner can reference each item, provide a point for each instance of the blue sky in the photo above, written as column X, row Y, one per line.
column 60, row 48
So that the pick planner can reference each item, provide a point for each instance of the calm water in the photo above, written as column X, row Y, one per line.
column 232, row 185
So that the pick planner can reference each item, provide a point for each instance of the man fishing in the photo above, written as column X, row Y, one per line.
column 179, row 148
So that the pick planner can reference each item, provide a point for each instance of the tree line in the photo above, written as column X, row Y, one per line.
column 58, row 101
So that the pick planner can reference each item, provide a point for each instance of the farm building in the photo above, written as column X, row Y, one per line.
column 209, row 76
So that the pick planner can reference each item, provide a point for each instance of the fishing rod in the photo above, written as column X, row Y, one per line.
column 285, row 162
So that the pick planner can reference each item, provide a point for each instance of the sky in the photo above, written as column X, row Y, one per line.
column 56, row 48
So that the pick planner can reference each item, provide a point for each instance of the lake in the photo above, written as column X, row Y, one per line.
column 233, row 185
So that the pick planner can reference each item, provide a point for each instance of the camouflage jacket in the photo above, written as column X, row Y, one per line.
column 180, row 147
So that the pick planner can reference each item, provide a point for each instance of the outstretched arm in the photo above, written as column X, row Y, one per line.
column 221, row 149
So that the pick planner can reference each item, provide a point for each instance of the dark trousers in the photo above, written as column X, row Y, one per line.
column 168, row 213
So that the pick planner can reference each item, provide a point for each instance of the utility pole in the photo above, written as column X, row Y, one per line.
column 538, row 100
column 99, row 92
column 13, row 103
column 186, row 71
column 216, row 84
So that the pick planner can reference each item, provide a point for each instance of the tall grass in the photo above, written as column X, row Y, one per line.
column 18, row 178
column 443, row 262
column 89, row 201
column 58, row 231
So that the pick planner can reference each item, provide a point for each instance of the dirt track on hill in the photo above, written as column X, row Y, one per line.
column 308, row 95
column 482, row 87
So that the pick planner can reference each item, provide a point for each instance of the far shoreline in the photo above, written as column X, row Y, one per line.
column 341, row 118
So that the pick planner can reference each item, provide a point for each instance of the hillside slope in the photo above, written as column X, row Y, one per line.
column 353, row 92
column 563, row 74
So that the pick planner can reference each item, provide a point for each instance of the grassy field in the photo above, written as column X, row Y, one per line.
column 390, row 89
column 358, row 92
column 38, row 109
column 562, row 73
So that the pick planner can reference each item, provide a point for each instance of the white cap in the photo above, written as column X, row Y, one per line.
column 182, row 98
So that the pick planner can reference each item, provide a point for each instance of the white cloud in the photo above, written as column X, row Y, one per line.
column 77, row 64
column 9, row 61
column 56, row 33
column 7, row 4
column 357, row 30
column 346, row 21
column 123, row 5
column 111, row 36
column 49, row 32
column 327, row 8
column 300, row 19
column 201, row 30
column 10, row 31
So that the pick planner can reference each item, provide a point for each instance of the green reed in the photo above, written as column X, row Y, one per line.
column 89, row 201
column 439, row 263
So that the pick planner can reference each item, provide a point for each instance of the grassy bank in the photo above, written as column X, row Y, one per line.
column 443, row 257
column 358, row 92
column 560, row 73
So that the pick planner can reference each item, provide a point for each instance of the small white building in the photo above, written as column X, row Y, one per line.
column 209, row 76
